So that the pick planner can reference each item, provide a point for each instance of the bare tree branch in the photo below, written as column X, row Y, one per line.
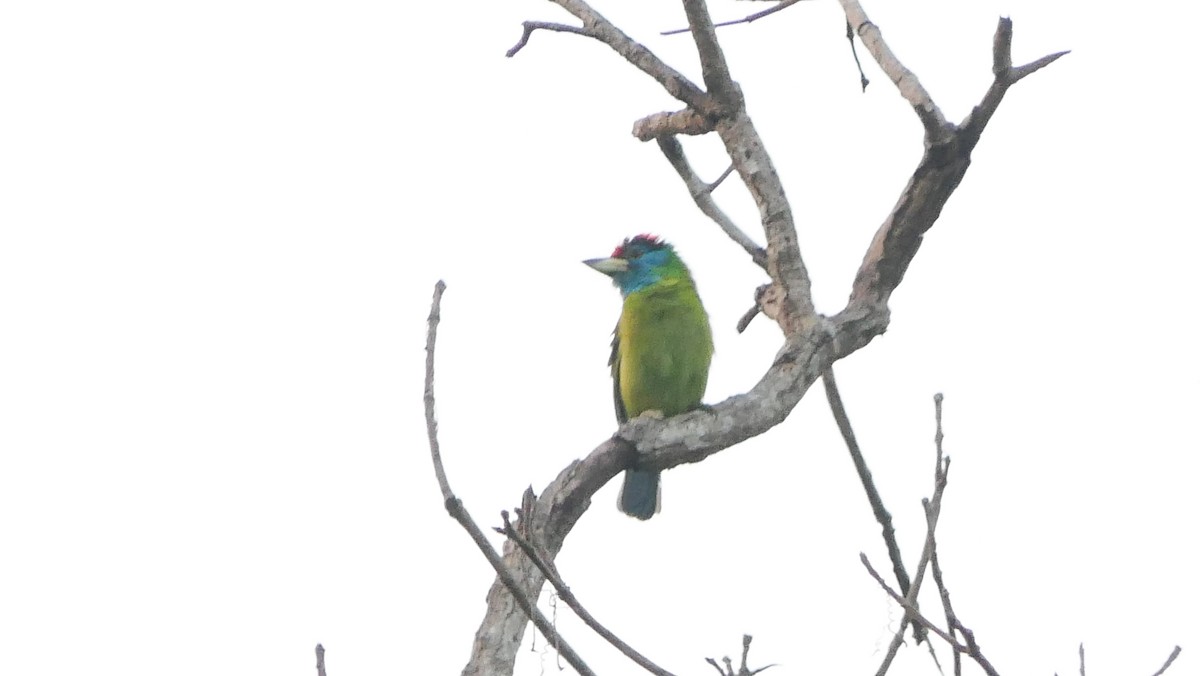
column 597, row 27
column 753, row 312
column 746, row 19
column 904, row 79
column 944, row 594
column 864, row 474
column 550, row 571
column 712, row 58
column 1167, row 664
column 912, row 613
column 431, row 425
column 791, row 304
column 456, row 509
column 701, row 193
column 531, row 26
column 932, row 511
column 660, row 444
column 945, row 161
column 320, row 660
column 1004, row 77
column 933, row 508
column 720, row 179
column 658, row 125
column 743, row 670
column 862, row 77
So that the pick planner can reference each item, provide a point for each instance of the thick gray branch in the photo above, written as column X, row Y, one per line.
column 712, row 59
column 793, row 309
column 945, row 161
column 661, row 444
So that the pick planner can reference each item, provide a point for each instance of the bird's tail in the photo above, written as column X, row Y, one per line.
column 641, row 496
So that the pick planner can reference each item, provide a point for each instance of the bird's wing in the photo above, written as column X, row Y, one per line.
column 614, row 361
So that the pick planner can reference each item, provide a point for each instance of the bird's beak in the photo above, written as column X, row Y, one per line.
column 609, row 266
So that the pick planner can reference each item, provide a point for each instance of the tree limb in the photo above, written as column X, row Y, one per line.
column 712, row 58
column 905, row 80
column 550, row 571
column 701, row 193
column 945, row 161
column 531, row 26
column 864, row 475
column 675, row 83
column 811, row 343
column 456, row 509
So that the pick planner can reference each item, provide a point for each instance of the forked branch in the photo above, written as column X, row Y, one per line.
column 701, row 193
column 812, row 343
column 945, row 161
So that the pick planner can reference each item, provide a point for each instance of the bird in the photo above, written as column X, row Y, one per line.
column 661, row 349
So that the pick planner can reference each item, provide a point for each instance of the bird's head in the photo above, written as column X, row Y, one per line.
column 639, row 262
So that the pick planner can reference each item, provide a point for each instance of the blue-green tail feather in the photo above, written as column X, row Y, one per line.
column 639, row 495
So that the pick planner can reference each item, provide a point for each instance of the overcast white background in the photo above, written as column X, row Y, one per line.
column 220, row 225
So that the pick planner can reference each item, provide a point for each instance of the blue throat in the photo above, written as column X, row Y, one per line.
column 645, row 270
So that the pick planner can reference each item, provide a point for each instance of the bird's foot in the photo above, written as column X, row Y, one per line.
column 653, row 415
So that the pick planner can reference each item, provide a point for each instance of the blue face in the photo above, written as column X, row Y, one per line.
column 645, row 267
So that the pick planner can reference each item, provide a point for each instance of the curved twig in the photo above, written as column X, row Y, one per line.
column 550, row 571
column 456, row 509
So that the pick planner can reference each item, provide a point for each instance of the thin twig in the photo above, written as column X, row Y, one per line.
column 932, row 509
column 905, row 80
column 951, row 620
column 1082, row 669
column 320, row 660
column 973, row 649
column 720, row 179
column 456, row 509
column 911, row 610
column 862, row 77
column 701, row 194
column 744, row 670
column 1174, row 654
column 530, row 26
column 550, row 571
column 431, row 425
column 864, row 475
column 597, row 27
column 746, row 19
column 744, row 322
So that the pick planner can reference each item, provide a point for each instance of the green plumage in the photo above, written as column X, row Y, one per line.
column 661, row 350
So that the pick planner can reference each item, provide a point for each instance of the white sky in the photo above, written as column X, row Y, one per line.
column 220, row 224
